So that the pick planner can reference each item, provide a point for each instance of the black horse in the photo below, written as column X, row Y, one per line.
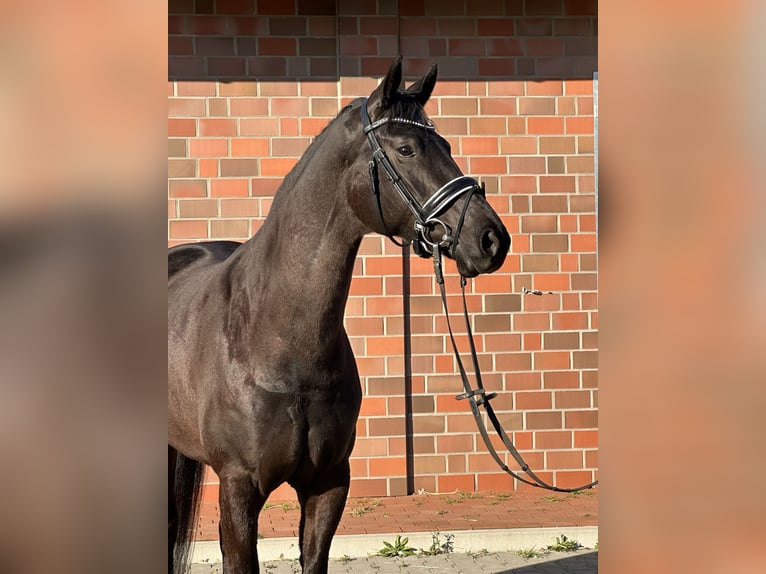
column 262, row 383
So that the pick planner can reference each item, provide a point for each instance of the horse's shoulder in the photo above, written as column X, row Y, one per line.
column 183, row 256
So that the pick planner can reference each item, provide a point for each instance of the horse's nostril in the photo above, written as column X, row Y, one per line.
column 489, row 242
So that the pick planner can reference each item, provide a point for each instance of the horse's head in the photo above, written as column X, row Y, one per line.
column 418, row 191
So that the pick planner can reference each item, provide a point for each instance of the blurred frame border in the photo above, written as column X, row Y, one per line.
column 682, row 269
column 82, row 285
column 681, row 202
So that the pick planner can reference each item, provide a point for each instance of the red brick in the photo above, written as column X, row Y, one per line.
column 564, row 459
column 545, row 125
column 229, row 188
column 208, row 167
column 239, row 167
column 526, row 165
column 182, row 127
column 518, row 184
column 557, row 184
column 579, row 125
column 557, row 145
column 580, row 7
column 534, row 26
column 487, row 125
column 187, row 188
column 386, row 426
column 230, row 229
column 543, row 420
column 531, row 322
column 180, row 45
column 501, row 67
column 573, row 399
column 205, row 25
column 249, row 106
column 276, row 7
column 561, row 340
column 539, row 262
column 240, row 208
column 544, row 47
column 267, row 66
column 485, row 8
column 488, row 165
column 561, row 380
column 452, row 482
column 583, row 242
column 570, row 321
column 249, row 147
column 198, row 208
column 181, row 168
column 188, row 229
column 581, row 419
column 217, row 127
column 539, row 224
column 177, row 147
column 572, row 27
column 362, row 487
column 312, row 126
column 578, row 87
column 546, row 440
column 582, row 203
column 186, row 107
column 503, row 27
column 208, row 147
column 544, row 88
column 501, row 482
column 565, row 106
column 550, row 243
column 276, row 167
column 586, row 439
column 553, row 281
column 465, row 47
column 533, row 400
column 478, row 145
column 358, row 46
column 551, row 360
column 289, row 147
column 503, row 51
column 235, row 6
column 518, row 145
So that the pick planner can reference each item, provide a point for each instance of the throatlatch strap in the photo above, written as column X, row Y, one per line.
column 375, row 184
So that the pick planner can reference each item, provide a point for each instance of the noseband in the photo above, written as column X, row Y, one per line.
column 426, row 215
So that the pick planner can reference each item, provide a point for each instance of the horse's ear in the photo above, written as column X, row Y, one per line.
column 422, row 88
column 385, row 93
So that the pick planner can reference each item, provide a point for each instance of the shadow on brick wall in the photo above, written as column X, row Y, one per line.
column 254, row 40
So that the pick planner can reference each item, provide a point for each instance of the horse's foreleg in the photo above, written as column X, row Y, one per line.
column 240, row 505
column 321, row 511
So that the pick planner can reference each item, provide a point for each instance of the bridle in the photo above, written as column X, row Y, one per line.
column 426, row 215
column 426, row 221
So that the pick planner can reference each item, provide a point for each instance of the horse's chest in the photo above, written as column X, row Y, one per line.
column 286, row 431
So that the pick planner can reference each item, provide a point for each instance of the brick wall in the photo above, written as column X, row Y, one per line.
column 251, row 82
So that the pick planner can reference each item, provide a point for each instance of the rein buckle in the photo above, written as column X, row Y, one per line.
column 485, row 397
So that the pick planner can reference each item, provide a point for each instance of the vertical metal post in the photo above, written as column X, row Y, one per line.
column 407, row 329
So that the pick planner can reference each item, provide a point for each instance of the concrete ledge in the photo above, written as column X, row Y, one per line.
column 361, row 545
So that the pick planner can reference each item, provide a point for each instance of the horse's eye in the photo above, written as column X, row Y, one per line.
column 405, row 151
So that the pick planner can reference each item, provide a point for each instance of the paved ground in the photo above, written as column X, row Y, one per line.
column 577, row 562
column 526, row 508
column 500, row 522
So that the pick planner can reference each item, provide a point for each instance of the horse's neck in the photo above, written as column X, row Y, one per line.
column 298, row 267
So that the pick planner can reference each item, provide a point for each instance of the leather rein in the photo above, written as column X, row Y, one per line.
column 426, row 221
